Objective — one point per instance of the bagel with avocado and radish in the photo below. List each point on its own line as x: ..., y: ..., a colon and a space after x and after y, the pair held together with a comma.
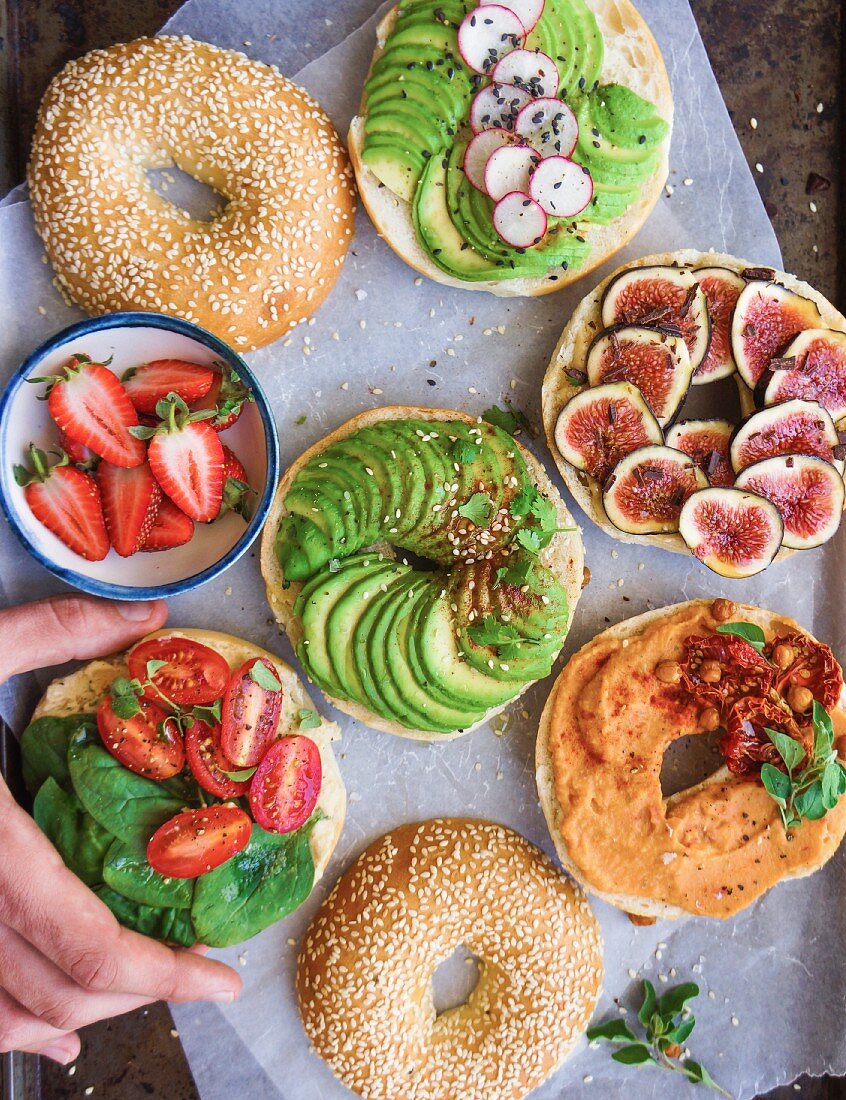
x: 189, y: 782
x: 427, y: 653
x: 736, y: 490
x: 511, y: 147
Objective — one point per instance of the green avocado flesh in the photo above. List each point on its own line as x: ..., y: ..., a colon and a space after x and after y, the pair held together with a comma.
x: 418, y: 98
x: 434, y: 649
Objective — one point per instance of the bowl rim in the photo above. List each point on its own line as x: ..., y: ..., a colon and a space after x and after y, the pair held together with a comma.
x: 138, y: 319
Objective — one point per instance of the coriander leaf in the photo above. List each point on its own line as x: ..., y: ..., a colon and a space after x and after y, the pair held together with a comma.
x: 301, y: 419
x: 464, y: 452
x: 491, y: 632
x: 648, y: 1006
x: 614, y: 1031
x: 500, y: 576
x: 477, y: 509
x: 790, y: 750
x: 153, y: 667
x: 810, y: 803
x: 309, y: 719
x: 521, y: 505
x: 260, y: 674
x: 635, y: 1055
x: 544, y: 512
x: 750, y: 632
x: 518, y: 574
x: 776, y: 783
x: 530, y: 540
x: 510, y: 420
x: 242, y: 775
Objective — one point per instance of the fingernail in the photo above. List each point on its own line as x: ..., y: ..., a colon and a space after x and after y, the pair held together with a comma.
x: 135, y: 610
x: 224, y: 997
x: 58, y: 1053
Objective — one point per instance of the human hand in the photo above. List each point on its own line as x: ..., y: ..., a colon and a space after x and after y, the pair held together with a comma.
x: 64, y: 959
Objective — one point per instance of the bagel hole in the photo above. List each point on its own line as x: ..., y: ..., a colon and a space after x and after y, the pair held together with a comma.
x: 455, y: 980
x: 416, y: 561
x: 200, y: 201
x: 689, y: 760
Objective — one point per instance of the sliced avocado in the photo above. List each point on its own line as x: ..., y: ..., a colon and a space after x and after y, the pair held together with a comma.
x: 353, y: 475
x: 397, y: 167
x: 367, y: 638
x: 449, y: 11
x: 570, y: 33
x: 406, y: 123
x: 424, y: 33
x: 331, y: 491
x: 400, y: 444
x: 301, y: 547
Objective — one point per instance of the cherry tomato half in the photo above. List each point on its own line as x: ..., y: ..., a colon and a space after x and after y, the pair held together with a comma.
x: 208, y: 764
x: 148, y: 744
x: 197, y: 841
x: 745, y: 744
x: 250, y: 714
x: 743, y: 670
x: 193, y: 675
x: 814, y: 667
x: 286, y: 785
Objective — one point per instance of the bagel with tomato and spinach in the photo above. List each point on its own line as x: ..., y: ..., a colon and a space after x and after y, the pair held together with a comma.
x: 190, y: 783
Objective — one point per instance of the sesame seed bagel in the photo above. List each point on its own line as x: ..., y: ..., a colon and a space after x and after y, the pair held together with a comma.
x: 562, y: 559
x: 413, y: 897
x: 250, y: 274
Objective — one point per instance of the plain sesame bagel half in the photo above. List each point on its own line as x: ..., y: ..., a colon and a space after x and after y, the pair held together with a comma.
x: 631, y: 59
x: 711, y: 848
x: 430, y: 650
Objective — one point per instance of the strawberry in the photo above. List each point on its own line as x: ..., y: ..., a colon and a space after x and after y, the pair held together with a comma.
x: 77, y: 453
x: 186, y: 458
x: 170, y: 528
x: 130, y: 503
x: 152, y: 382
x: 226, y: 396
x: 67, y: 501
x: 91, y: 407
x: 235, y: 486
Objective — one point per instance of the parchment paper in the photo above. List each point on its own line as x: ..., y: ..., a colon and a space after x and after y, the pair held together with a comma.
x: 773, y: 979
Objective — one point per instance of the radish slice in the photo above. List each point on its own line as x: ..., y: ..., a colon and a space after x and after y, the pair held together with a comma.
x: 479, y: 151
x: 560, y: 186
x: 488, y: 34
x: 519, y: 220
x: 533, y: 71
x: 549, y: 125
x: 527, y: 11
x: 497, y: 106
x: 509, y: 169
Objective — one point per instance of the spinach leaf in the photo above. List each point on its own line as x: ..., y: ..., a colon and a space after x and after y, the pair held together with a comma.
x: 261, y: 884
x: 173, y: 925
x: 44, y: 748
x: 77, y: 837
x: 128, y: 805
x: 129, y: 873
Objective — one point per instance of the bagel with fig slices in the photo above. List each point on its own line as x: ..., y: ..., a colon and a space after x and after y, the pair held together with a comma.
x: 101, y: 809
x: 695, y: 668
x: 423, y: 653
x: 424, y: 142
x: 614, y: 397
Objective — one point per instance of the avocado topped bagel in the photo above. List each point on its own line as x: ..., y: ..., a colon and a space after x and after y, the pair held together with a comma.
x: 426, y: 650
x: 511, y: 147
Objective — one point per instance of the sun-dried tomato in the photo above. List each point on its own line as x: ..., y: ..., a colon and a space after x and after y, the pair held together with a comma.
x: 744, y: 671
x: 745, y: 744
x: 814, y: 667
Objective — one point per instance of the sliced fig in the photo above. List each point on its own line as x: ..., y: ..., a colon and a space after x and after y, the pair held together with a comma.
x: 766, y: 318
x: 497, y: 106
x: 646, y: 490
x: 486, y: 35
x: 533, y: 71
x: 508, y: 169
x: 663, y: 297
x: 479, y: 151
x: 527, y: 11
x: 794, y: 427
x: 721, y: 287
x: 656, y: 363
x: 519, y: 220
x: 549, y: 125
x: 807, y: 491
x: 602, y: 424
x: 562, y: 187
x: 707, y: 443
x: 735, y: 533
x: 813, y: 367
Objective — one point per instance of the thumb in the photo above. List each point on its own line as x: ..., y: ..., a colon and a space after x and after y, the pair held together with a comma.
x: 66, y: 628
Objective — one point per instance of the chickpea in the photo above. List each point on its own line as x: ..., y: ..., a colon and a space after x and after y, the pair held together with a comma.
x: 668, y: 672
x: 709, y: 719
x: 799, y: 698
x: 723, y: 610
x: 710, y: 672
x: 784, y: 655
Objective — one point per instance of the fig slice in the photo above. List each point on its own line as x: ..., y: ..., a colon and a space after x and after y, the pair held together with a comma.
x: 527, y: 11
x: 707, y: 443
x: 813, y: 367
x: 721, y: 287
x: 508, y: 170
x: 602, y: 424
x: 658, y: 364
x: 646, y: 490
x: 736, y: 534
x: 794, y: 427
x: 562, y: 187
x: 807, y: 491
x: 497, y: 106
x: 479, y: 151
x: 519, y: 220
x: 532, y: 70
x: 766, y: 318
x: 549, y: 125
x: 487, y: 34
x: 663, y: 297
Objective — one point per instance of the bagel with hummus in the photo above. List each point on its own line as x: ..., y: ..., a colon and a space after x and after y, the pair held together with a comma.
x: 511, y: 150
x: 707, y: 666
x: 189, y: 782
x: 741, y: 486
x: 427, y: 653
x: 409, y: 900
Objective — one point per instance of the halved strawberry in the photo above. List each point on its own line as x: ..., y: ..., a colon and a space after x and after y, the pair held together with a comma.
x: 152, y: 382
x: 226, y: 396
x: 67, y: 501
x: 186, y: 458
x: 236, y: 488
x: 170, y: 528
x: 79, y: 454
x: 130, y: 502
x: 89, y: 404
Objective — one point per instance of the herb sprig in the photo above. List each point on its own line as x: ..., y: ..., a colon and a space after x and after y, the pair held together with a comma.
x: 749, y: 632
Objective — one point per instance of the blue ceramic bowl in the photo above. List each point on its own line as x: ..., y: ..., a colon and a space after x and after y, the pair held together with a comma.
x: 130, y: 339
